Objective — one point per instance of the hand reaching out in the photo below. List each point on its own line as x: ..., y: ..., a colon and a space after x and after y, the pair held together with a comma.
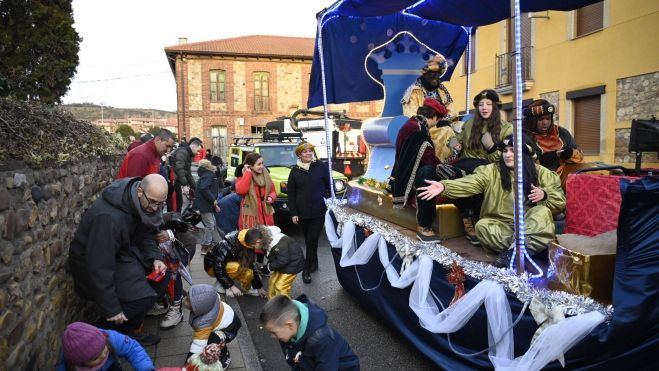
x: 431, y: 190
x: 235, y: 291
x: 118, y: 318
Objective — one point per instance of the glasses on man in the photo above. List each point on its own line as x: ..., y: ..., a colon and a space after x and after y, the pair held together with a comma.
x: 153, y: 203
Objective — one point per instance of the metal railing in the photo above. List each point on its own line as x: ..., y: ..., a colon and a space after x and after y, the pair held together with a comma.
x: 505, y: 67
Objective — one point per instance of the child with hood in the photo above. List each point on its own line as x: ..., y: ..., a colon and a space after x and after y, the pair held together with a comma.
x: 85, y: 347
x: 213, y: 321
x: 285, y: 261
x: 306, y: 339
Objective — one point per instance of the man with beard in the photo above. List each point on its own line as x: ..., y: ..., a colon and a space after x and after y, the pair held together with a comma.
x: 114, y: 250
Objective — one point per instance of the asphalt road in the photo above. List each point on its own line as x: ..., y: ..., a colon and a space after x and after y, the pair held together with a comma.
x: 378, y: 347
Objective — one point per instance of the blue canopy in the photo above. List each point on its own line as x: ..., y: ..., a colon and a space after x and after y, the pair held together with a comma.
x: 351, y: 28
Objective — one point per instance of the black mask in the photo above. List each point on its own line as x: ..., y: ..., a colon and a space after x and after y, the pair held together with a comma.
x: 430, y: 80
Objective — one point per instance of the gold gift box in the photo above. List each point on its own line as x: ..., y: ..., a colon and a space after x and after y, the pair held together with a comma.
x: 379, y: 203
x: 575, y: 270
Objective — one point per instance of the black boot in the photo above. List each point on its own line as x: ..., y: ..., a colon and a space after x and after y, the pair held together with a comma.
x: 314, y: 266
x: 306, y: 276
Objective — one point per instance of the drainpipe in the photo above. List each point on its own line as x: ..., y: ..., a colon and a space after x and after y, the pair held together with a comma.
x: 183, y: 127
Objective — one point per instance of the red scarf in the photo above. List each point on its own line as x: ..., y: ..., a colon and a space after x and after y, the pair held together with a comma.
x: 549, y: 142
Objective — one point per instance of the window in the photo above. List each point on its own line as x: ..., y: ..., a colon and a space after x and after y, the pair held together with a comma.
x: 590, y: 19
x: 505, y: 63
x: 587, y: 124
x: 257, y: 129
x: 472, y: 52
x: 261, y: 91
x: 218, y: 86
x: 219, y: 140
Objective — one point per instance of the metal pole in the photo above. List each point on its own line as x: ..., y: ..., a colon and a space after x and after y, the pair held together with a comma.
x: 520, y: 238
x: 467, y: 98
x: 328, y: 136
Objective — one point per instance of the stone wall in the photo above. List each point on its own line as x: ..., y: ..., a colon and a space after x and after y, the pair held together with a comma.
x: 39, y: 213
x: 637, y: 97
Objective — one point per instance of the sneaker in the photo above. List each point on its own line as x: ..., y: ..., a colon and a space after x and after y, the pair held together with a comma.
x: 426, y: 235
x: 143, y: 338
x: 225, y: 357
x: 205, y: 249
x: 470, y: 230
x: 157, y: 309
x: 503, y: 260
x: 475, y: 241
x: 252, y: 292
x: 306, y: 276
x: 219, y: 288
x: 173, y: 317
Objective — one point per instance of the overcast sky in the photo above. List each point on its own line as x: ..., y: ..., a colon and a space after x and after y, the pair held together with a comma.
x: 122, y: 58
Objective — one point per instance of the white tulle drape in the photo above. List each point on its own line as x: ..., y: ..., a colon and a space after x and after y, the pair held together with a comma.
x: 552, y: 343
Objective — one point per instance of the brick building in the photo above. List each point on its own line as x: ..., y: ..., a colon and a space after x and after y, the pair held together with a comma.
x: 233, y: 87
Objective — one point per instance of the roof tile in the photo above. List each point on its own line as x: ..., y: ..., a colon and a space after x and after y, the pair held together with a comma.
x: 253, y: 45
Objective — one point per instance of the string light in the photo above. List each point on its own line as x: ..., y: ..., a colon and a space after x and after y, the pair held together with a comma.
x: 520, y: 235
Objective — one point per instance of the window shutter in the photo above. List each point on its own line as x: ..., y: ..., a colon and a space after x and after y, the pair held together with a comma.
x: 590, y: 18
x: 587, y: 124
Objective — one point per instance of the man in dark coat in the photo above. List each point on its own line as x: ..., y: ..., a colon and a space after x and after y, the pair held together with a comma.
x: 181, y: 160
x: 306, y: 339
x: 115, y: 248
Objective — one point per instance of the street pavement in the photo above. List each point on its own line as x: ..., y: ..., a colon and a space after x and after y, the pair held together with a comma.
x: 378, y: 347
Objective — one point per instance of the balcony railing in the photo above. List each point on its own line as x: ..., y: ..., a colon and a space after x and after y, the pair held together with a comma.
x: 505, y: 68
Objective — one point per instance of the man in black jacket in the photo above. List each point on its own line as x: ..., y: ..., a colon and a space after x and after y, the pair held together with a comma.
x: 115, y: 248
x: 181, y: 160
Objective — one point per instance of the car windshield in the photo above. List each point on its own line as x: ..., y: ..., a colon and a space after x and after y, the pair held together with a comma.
x: 278, y: 155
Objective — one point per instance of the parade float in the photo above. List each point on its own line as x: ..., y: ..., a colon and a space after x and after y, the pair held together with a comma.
x: 446, y: 298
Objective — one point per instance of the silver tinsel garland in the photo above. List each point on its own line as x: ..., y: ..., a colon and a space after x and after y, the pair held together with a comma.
x: 520, y: 286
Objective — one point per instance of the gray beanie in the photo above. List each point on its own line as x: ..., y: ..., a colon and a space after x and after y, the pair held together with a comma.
x: 205, y: 304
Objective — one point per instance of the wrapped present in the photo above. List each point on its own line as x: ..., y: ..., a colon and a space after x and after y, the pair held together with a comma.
x: 583, y: 265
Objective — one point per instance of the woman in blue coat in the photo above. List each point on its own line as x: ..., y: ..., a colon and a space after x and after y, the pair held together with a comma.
x: 205, y: 201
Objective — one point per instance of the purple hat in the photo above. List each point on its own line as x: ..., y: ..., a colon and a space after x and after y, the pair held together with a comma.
x: 82, y: 343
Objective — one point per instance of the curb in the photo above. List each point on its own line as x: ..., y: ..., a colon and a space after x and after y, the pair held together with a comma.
x: 245, y: 342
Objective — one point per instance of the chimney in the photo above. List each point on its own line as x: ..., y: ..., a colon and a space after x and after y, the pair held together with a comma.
x: 182, y: 40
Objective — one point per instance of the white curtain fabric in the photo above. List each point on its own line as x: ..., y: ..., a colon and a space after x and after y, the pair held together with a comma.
x: 550, y: 345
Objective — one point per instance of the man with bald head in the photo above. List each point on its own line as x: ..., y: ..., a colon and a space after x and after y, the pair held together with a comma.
x: 115, y: 248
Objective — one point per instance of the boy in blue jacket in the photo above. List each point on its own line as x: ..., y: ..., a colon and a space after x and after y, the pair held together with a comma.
x: 306, y: 339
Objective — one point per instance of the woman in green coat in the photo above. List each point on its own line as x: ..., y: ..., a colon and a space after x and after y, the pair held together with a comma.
x: 478, y: 143
x: 544, y: 198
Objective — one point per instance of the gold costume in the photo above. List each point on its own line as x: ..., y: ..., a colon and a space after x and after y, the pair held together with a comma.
x: 495, y: 227
x: 465, y: 134
x: 244, y: 275
x: 280, y: 283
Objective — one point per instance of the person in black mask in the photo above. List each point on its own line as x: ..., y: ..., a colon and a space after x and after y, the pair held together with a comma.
x: 428, y: 85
